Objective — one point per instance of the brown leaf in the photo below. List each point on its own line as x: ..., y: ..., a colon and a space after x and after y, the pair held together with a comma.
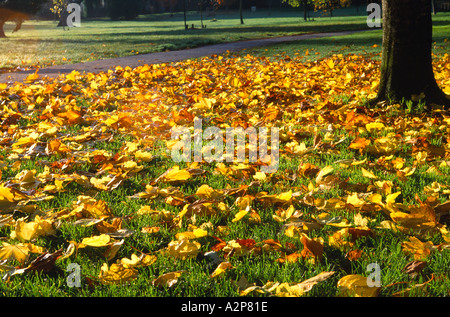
x: 45, y: 262
x: 414, y: 267
x: 353, y: 255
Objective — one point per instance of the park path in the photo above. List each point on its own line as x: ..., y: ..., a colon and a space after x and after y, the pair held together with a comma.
x: 104, y: 65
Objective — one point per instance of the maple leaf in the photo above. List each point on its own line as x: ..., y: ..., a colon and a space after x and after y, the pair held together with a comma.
x: 27, y: 231
x: 17, y: 252
x: 420, y: 250
x: 117, y: 273
x: 183, y: 249
x: 312, y: 247
x: 356, y: 285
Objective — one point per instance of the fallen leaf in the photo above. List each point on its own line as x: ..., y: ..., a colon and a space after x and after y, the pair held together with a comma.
x: 356, y: 285
x: 167, y: 279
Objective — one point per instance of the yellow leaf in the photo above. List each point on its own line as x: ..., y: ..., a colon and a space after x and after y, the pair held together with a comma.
x: 97, y: 241
x: 144, y: 156
x: 6, y: 194
x: 167, y: 280
x: 100, y: 183
x: 32, y: 77
x: 390, y: 199
x: 354, y: 200
x: 207, y: 192
x: 368, y: 174
x: 374, y: 126
x: 183, y: 249
x: 17, y: 252
x: 260, y: 176
x: 196, y: 233
x: 175, y: 175
x: 323, y: 172
x: 285, y: 214
x: 138, y: 261
x: 356, y: 285
x: 30, y: 230
x: 301, y: 288
x: 240, y: 215
x: 330, y: 63
x: 420, y: 250
x: 116, y: 274
x: 221, y: 268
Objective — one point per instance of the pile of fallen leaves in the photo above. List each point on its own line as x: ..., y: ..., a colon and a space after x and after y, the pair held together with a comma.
x: 146, y: 103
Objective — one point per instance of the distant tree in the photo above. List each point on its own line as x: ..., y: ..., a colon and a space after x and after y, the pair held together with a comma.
x: 60, y: 9
x: 121, y: 9
x: 17, y: 11
x: 298, y: 3
x: 240, y: 12
x: 185, y: 14
x: 324, y: 5
x: 330, y: 5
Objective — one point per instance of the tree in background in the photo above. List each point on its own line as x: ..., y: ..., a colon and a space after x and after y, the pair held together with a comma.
x: 240, y: 12
x: 17, y: 11
x: 297, y: 3
x: 121, y: 9
x: 330, y: 5
x: 324, y: 5
x: 60, y: 9
x: 406, y: 69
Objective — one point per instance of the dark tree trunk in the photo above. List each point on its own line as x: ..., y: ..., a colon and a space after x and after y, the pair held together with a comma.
x: 406, y: 68
x: 305, y: 10
x: 184, y: 13
x: 2, y: 32
x: 240, y: 12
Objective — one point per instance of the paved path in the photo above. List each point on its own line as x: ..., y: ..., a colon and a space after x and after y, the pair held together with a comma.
x: 161, y: 57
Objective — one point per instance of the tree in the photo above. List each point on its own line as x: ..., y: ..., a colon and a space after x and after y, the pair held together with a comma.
x: 406, y: 68
x: 324, y: 5
x: 297, y: 3
x: 17, y: 11
x: 121, y: 9
x: 60, y: 9
x: 241, y: 15
x: 330, y: 5
x: 184, y: 13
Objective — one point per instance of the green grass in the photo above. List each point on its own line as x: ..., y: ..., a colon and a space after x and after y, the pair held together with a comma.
x: 383, y: 248
x: 365, y: 43
x: 41, y: 42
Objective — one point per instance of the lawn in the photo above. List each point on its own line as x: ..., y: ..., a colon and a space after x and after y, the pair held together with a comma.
x: 42, y: 43
x: 88, y: 178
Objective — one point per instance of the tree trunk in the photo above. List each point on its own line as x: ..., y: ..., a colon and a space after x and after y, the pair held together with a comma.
x: 184, y: 12
x: 2, y: 32
x: 305, y: 10
x: 406, y: 68
x: 240, y: 12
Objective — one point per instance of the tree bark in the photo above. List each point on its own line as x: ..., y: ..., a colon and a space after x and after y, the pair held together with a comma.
x: 184, y: 13
x: 305, y: 10
x: 406, y: 68
x: 240, y: 12
x: 2, y: 32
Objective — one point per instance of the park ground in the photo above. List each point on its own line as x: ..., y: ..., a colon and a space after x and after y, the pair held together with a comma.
x: 103, y: 38
x: 88, y: 176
